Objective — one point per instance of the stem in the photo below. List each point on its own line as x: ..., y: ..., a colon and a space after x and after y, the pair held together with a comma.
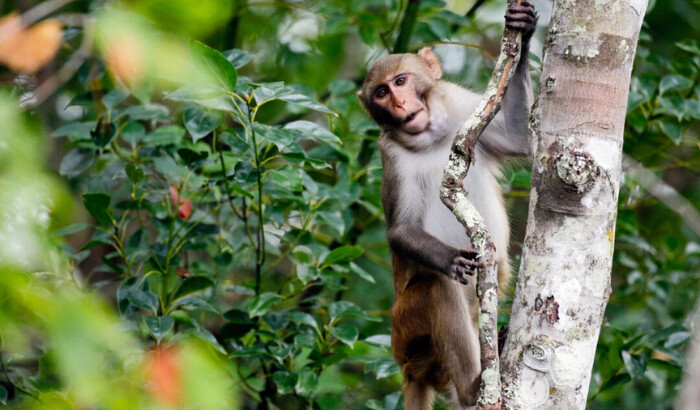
x: 260, y: 234
x: 474, y: 7
x: 406, y: 28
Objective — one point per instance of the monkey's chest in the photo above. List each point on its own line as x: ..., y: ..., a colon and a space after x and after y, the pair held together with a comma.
x: 436, y: 218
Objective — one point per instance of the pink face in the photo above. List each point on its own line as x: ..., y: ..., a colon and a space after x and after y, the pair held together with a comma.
x: 397, y: 95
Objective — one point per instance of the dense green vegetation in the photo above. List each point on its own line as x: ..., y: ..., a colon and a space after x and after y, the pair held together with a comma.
x: 190, y: 204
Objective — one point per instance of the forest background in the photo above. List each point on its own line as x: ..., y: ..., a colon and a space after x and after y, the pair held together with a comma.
x: 190, y: 201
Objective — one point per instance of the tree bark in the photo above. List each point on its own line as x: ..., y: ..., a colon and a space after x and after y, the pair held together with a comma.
x: 564, y: 280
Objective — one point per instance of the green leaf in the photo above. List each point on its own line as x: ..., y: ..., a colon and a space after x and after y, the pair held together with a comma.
x: 287, y: 177
x: 103, y: 134
x: 193, y: 284
x: 149, y: 112
x: 302, y: 318
x: 239, y: 324
x: 222, y: 72
x: 693, y: 108
x: 635, y: 364
x: 379, y: 340
x: 159, y: 326
x: 190, y: 156
x: 689, y: 45
x: 261, y: 303
x: 347, y: 334
x: 71, y: 229
x: 75, y: 130
x: 169, y: 134
x: 677, y: 339
x: 278, y: 136
x: 671, y: 130
x: 343, y: 308
x: 665, y: 333
x: 285, y: 381
x: 341, y: 86
x: 237, y: 57
x: 673, y: 105
x: 314, y: 131
x: 200, y: 122
x: 213, y: 99
x: 306, y: 273
x: 3, y: 395
x: 383, y: 367
x: 307, y: 102
x: 307, y: 381
x: 361, y: 272
x: 143, y: 299
x: 615, y: 381
x: 134, y: 173
x: 206, y: 336
x: 342, y: 254
x: 194, y: 303
x: 114, y: 97
x: 98, y: 206
x: 76, y: 162
x: 133, y: 132
x: 674, y: 82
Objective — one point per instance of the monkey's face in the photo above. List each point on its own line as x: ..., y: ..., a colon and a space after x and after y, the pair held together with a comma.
x: 402, y: 99
x: 396, y: 90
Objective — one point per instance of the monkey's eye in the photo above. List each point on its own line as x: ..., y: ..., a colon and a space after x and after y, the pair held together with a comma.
x: 381, y: 93
x: 400, y: 81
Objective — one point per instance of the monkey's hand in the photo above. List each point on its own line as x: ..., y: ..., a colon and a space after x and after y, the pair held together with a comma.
x: 463, y: 264
x: 522, y: 18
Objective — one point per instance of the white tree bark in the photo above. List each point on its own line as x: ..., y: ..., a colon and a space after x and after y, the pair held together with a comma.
x: 564, y: 280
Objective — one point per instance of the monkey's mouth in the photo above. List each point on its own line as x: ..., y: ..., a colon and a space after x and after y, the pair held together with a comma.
x: 411, y: 117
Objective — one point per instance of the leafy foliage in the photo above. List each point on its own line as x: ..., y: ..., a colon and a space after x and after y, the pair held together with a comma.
x: 234, y: 220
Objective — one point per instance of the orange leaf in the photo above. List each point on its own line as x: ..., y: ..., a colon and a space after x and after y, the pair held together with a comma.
x: 164, y: 376
x: 125, y: 58
x: 184, y: 206
x: 183, y: 273
x: 27, y: 49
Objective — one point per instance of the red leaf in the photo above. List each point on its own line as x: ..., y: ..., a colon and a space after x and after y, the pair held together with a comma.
x: 164, y: 376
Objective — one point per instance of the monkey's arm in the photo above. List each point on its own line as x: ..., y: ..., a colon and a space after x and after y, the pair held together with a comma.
x: 406, y: 236
x: 507, y: 135
x: 411, y: 242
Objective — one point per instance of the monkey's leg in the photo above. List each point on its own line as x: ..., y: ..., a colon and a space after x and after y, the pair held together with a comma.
x: 417, y: 396
x: 458, y: 346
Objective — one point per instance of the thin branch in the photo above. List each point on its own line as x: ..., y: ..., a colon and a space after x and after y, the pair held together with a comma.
x: 663, y: 192
x: 474, y: 8
x: 406, y: 29
x: 455, y: 198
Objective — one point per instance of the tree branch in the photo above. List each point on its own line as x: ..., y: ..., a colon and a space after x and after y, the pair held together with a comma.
x: 406, y: 27
x: 455, y: 198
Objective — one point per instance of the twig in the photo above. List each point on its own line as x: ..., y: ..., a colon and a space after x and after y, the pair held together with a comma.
x: 406, y: 29
x: 474, y: 7
x: 663, y: 192
x: 455, y: 198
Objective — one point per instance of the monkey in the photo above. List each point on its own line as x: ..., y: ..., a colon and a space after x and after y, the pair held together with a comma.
x: 434, y: 334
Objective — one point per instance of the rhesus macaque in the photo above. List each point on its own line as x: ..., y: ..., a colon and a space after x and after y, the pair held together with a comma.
x: 433, y: 339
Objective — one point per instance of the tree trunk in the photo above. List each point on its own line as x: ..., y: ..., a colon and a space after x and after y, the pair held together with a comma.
x: 564, y: 280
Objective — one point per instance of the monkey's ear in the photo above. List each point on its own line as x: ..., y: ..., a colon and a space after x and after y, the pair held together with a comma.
x: 360, y: 95
x: 431, y: 61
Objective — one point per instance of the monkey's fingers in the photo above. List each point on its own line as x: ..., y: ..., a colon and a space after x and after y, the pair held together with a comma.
x: 459, y: 274
x: 524, y: 7
x: 469, y: 253
x: 524, y: 18
x: 468, y: 264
